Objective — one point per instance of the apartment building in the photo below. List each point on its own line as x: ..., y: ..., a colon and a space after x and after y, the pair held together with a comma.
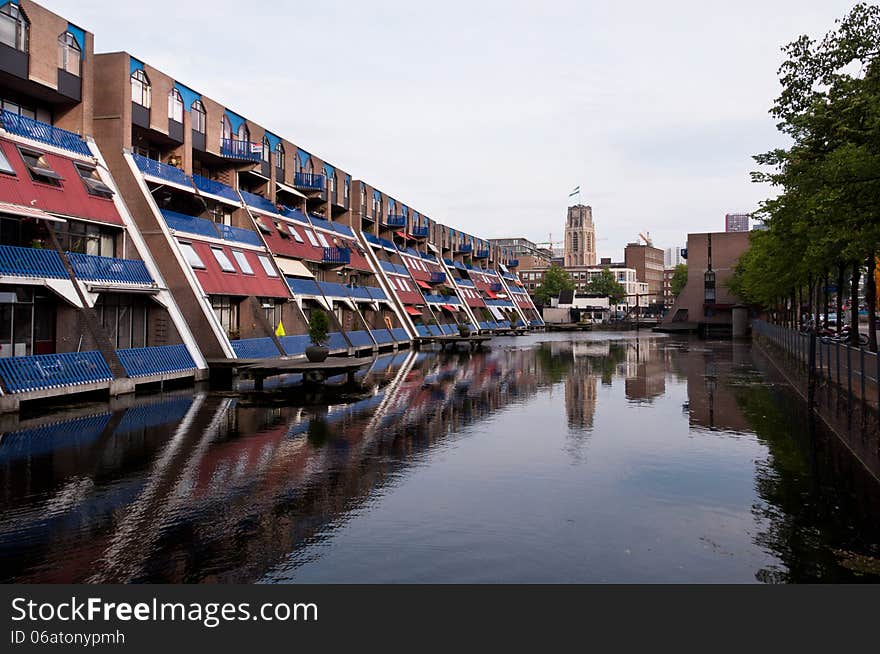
x: 146, y: 228
x: 647, y: 261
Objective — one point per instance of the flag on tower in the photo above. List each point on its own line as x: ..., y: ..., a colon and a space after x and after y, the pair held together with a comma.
x: 576, y: 191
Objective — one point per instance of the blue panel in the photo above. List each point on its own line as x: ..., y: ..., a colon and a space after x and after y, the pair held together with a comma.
x: 360, y: 338
x: 303, y: 286
x: 235, y: 120
x: 273, y: 140
x: 333, y: 289
x: 329, y: 170
x: 214, y: 187
x: 189, y: 224
x: 143, y: 361
x: 435, y: 330
x: 382, y: 336
x: 109, y: 269
x: 303, y: 157
x: 161, y: 170
x: 336, y: 341
x: 343, y: 229
x: 40, y: 441
x: 377, y: 293
x: 295, y: 214
x: 45, y: 133
x: 421, y: 330
x: 377, y: 195
x: 255, y: 348
x: 296, y: 344
x: 135, y: 64
x: 31, y: 262
x: 400, y: 334
x: 23, y: 374
x: 153, y: 415
x: 80, y: 35
x: 189, y: 96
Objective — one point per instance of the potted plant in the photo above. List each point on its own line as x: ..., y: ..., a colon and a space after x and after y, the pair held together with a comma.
x: 319, y: 325
x: 464, y: 330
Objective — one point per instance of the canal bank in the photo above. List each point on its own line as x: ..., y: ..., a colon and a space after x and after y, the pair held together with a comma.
x: 553, y: 457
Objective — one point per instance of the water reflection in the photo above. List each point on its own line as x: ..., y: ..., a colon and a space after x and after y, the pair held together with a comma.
x: 427, y: 461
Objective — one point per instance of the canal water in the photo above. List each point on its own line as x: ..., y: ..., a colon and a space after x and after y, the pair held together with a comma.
x: 549, y: 458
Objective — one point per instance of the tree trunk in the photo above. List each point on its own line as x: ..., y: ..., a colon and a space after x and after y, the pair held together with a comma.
x: 854, y: 303
x: 871, y: 301
x: 827, y: 284
x: 810, y: 290
x: 841, y: 270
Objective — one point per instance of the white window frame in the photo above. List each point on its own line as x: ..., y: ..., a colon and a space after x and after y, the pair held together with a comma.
x: 5, y: 166
x: 243, y: 264
x: 323, y: 240
x: 223, y: 260
x: 311, y: 236
x: 268, y: 268
x: 294, y: 233
x: 192, y: 257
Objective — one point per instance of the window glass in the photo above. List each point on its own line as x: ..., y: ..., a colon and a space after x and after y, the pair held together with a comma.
x: 175, y: 106
x: 93, y: 182
x: 191, y: 256
x: 242, y: 262
x: 279, y: 156
x: 391, y: 281
x: 40, y: 168
x: 141, y: 93
x: 223, y: 260
x: 13, y: 27
x: 5, y: 166
x: 69, y: 55
x: 267, y: 265
x: 198, y: 117
x: 295, y: 234
x: 323, y: 240
x: 311, y: 237
x: 267, y: 148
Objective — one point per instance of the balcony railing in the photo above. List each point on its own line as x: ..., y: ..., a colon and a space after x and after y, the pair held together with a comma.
x: 91, y: 268
x: 243, y: 150
x: 161, y: 170
x: 310, y: 181
x: 31, y: 262
x: 495, y: 287
x: 465, y: 247
x: 481, y: 254
x: 203, y: 227
x: 215, y: 188
x: 255, y: 348
x: 143, y: 361
x: 44, y: 133
x: 258, y: 202
x: 42, y: 371
x: 339, y: 256
x: 438, y: 277
x: 395, y: 220
x: 420, y: 231
x: 513, y: 263
x: 238, y: 234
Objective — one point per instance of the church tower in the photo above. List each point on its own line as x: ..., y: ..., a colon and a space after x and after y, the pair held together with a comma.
x: 580, y: 237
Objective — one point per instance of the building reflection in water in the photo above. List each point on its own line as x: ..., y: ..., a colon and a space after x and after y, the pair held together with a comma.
x: 184, y: 488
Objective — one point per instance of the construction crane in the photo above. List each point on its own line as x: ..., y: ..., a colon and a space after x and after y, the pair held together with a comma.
x: 646, y: 237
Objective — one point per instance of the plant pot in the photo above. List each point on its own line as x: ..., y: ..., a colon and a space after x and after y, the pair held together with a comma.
x: 464, y: 332
x: 317, y: 353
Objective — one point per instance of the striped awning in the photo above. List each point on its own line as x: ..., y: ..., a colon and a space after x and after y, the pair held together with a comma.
x: 28, y: 212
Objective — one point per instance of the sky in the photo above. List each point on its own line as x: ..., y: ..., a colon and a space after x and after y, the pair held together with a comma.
x: 486, y: 115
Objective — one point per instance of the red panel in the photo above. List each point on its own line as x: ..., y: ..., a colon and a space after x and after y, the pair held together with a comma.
x: 289, y: 246
x: 216, y: 282
x: 475, y: 302
x: 410, y: 297
x: 71, y: 198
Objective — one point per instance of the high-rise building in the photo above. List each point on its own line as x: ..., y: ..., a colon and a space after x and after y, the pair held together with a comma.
x: 672, y: 257
x: 647, y: 261
x: 580, y: 237
x: 524, y: 252
x: 736, y: 222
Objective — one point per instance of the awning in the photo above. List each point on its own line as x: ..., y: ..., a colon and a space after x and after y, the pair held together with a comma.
x: 289, y: 189
x: 28, y: 212
x: 412, y: 311
x: 491, y: 295
x: 294, y: 268
x: 253, y: 172
x: 423, y: 285
x: 449, y: 308
x: 402, y: 235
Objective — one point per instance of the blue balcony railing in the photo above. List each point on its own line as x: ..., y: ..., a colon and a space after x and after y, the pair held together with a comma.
x: 513, y: 263
x: 258, y: 202
x: 438, y: 277
x: 215, y: 188
x: 44, y: 133
x: 465, y: 247
x: 310, y: 181
x: 377, y: 293
x: 395, y: 220
x: 301, y: 286
x: 420, y: 231
x: 161, y: 170
x: 91, y: 268
x: 201, y: 226
x: 333, y: 289
x: 143, y: 361
x: 238, y: 234
x: 31, y: 262
x: 495, y: 287
x: 340, y: 256
x: 255, y: 348
x: 359, y: 292
x: 243, y: 150
x: 481, y: 254
x: 24, y: 374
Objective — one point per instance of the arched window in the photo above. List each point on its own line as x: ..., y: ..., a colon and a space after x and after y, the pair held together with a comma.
x: 141, y: 93
x: 69, y: 54
x: 175, y: 106
x: 346, y: 189
x: 279, y: 157
x: 267, y: 149
x: 199, y: 118
x: 310, y: 168
x: 332, y: 183
x: 244, y: 134
x: 225, y: 128
x: 14, y: 27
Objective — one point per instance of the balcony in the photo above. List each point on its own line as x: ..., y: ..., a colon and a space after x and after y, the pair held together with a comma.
x: 202, y: 227
x: 420, y: 231
x: 309, y: 181
x: 464, y: 247
x: 238, y: 234
x: 144, y: 361
x: 496, y: 287
x: 214, y: 187
x: 31, y: 262
x: 43, y: 371
x: 337, y: 256
x: 161, y: 170
x: 438, y: 277
x: 513, y: 263
x: 44, y: 133
x: 258, y: 202
x: 241, y: 150
x: 88, y: 267
x: 481, y: 254
x: 395, y: 220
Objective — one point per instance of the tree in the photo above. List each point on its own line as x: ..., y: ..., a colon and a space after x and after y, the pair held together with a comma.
x: 555, y: 281
x: 679, y: 279
x: 606, y: 285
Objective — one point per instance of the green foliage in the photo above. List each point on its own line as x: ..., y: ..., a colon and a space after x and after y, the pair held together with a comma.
x: 606, y: 285
x: 555, y: 281
x: 319, y: 326
x: 679, y: 279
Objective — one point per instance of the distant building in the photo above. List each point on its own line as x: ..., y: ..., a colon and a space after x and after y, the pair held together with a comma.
x: 736, y: 222
x: 580, y: 237
x: 647, y: 261
x: 668, y: 297
x: 672, y: 257
x: 525, y: 252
